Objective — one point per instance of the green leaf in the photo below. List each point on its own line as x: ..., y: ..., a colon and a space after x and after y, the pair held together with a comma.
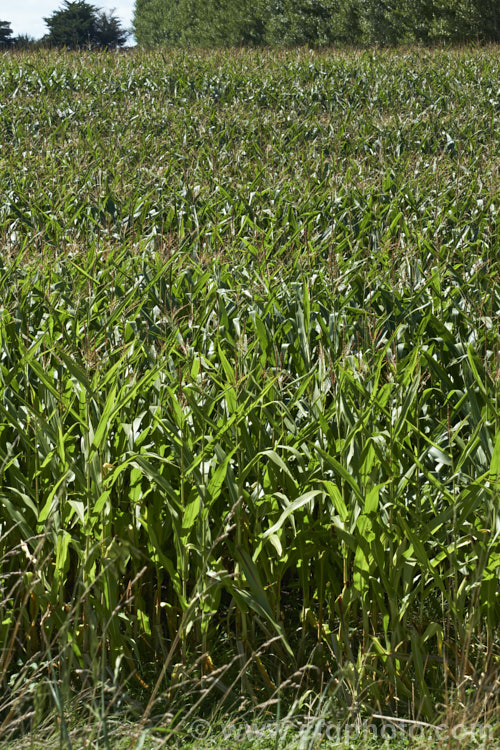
x: 295, y: 505
x: 337, y: 499
x: 258, y: 601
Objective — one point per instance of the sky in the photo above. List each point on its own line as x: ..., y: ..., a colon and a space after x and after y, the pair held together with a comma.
x: 26, y: 16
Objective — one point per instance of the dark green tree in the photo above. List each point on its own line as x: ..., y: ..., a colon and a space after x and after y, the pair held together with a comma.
x: 73, y: 25
x: 110, y: 33
x: 5, y: 34
x: 489, y: 20
x: 78, y: 24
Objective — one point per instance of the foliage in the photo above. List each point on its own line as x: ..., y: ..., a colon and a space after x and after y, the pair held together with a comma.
x: 27, y: 42
x: 109, y: 31
x: 77, y: 24
x: 186, y: 22
x: 249, y: 380
x: 5, y: 34
x: 314, y: 22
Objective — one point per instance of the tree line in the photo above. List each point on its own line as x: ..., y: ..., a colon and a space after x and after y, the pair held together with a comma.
x: 75, y: 25
x: 78, y: 24
x: 314, y: 22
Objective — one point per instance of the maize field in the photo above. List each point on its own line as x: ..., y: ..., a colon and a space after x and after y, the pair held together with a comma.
x: 249, y: 381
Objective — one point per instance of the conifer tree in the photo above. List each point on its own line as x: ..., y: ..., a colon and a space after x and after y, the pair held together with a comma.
x: 5, y: 34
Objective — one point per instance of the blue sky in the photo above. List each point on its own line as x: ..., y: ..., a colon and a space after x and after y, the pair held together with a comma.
x: 26, y: 16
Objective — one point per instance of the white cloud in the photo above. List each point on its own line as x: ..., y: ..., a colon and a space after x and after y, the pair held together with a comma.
x: 26, y: 16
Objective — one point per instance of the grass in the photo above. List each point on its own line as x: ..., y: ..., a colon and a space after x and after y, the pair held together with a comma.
x: 249, y: 389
